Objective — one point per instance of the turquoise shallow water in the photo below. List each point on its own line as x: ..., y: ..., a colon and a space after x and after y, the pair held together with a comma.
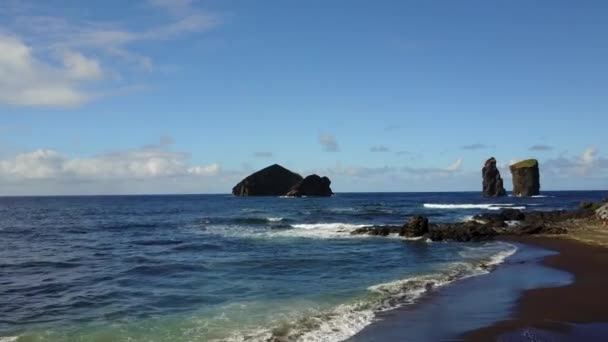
x: 215, y: 267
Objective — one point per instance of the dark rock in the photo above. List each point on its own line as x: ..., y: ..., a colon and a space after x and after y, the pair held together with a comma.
x: 463, y: 232
x: 499, y: 219
x: 537, y: 228
x: 526, y: 178
x: 312, y: 185
x: 492, y: 182
x: 377, y: 230
x: 417, y: 226
x: 274, y: 180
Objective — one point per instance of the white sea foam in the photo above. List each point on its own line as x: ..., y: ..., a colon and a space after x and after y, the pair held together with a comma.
x: 542, y: 196
x: 8, y: 338
x: 319, y: 230
x: 501, y: 256
x: 490, y: 206
x: 346, y: 320
x: 274, y: 219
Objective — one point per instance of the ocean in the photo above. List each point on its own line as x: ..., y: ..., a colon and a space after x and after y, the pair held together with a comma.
x: 223, y: 268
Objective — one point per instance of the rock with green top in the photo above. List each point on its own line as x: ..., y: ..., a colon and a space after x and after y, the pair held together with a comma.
x: 526, y: 178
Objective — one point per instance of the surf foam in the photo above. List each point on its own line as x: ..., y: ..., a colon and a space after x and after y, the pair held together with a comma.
x: 491, y: 206
x: 346, y: 320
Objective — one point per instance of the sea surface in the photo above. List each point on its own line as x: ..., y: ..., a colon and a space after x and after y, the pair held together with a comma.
x: 222, y: 268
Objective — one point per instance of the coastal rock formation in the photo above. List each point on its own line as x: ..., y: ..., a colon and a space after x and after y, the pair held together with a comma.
x: 509, y: 222
x: 274, y: 180
x: 492, y: 182
x: 417, y: 226
x: 526, y: 178
x: 602, y: 213
x: 462, y: 232
x: 312, y: 185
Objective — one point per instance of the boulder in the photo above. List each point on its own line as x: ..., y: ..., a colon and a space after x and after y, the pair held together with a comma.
x: 417, y: 226
x: 526, y: 178
x: 492, y: 182
x: 602, y: 213
x: 312, y: 185
x: 274, y: 180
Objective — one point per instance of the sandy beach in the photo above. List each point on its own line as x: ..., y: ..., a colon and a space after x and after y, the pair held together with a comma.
x: 563, y: 311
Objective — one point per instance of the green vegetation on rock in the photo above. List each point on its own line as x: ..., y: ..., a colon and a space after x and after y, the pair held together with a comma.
x: 525, y: 163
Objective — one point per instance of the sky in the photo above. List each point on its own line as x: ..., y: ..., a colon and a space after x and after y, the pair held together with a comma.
x: 187, y: 96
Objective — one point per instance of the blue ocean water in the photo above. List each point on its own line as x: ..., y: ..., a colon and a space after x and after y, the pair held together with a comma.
x: 217, y: 267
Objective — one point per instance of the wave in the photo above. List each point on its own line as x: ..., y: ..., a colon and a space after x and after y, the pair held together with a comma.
x: 346, y: 320
x: 542, y: 196
x: 320, y: 230
x: 491, y: 206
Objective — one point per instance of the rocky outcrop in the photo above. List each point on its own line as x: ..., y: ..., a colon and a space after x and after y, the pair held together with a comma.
x: 602, y: 213
x: 312, y: 185
x: 462, y: 232
x: 417, y: 226
x: 487, y: 226
x: 492, y: 182
x: 274, y: 180
x: 526, y: 178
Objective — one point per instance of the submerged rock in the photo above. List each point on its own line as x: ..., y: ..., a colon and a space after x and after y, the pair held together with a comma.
x: 526, y: 178
x: 274, y: 180
x: 492, y: 182
x: 312, y: 185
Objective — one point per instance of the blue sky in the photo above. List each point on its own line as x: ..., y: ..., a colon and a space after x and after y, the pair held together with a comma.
x: 186, y: 96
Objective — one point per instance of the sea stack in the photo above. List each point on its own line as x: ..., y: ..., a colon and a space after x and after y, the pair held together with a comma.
x: 526, y: 178
x: 492, y: 182
x: 274, y: 180
x: 312, y: 185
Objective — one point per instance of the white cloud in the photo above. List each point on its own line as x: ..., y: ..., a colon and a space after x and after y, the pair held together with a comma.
x: 328, y: 142
x: 455, y: 166
x: 209, y: 170
x: 51, y: 61
x: 78, y: 67
x: 148, y: 162
x: 28, y: 81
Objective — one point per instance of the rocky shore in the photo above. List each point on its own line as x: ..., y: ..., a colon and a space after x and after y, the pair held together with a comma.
x: 508, y: 222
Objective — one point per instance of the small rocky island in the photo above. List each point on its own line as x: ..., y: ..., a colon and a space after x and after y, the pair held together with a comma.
x: 526, y: 178
x: 492, y: 182
x: 275, y: 180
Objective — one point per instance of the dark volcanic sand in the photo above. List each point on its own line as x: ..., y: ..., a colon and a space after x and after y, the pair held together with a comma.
x: 468, y: 304
x: 578, y: 311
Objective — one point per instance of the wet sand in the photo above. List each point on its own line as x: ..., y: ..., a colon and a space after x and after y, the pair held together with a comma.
x: 552, y: 289
x: 578, y: 311
x: 446, y: 313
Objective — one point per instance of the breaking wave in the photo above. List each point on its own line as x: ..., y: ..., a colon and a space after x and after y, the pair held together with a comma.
x: 499, y: 206
x: 346, y: 320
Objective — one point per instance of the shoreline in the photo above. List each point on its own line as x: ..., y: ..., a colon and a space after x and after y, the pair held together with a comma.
x: 558, y: 312
x: 467, y: 304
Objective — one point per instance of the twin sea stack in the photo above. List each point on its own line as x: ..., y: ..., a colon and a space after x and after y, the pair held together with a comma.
x: 276, y: 180
x: 526, y: 179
